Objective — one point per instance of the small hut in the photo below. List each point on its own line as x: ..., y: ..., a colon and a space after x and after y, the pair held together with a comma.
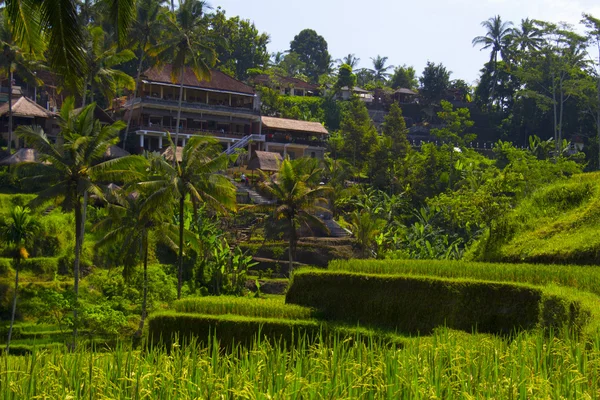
x: 265, y: 161
x: 24, y: 112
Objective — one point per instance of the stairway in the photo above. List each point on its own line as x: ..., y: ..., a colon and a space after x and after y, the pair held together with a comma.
x: 256, y: 197
x: 335, y: 230
x: 243, y: 142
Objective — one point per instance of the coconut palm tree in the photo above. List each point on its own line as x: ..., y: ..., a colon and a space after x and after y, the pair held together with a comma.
x: 73, y: 165
x: 132, y: 216
x: 100, y: 63
x: 497, y: 38
x: 379, y: 70
x: 298, y: 198
x: 350, y: 60
x: 145, y: 30
x: 187, y: 43
x: 528, y: 37
x: 56, y: 23
x: 194, y: 175
x: 18, y: 230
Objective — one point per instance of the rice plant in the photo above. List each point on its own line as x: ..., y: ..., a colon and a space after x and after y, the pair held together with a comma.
x: 579, y: 277
x: 447, y: 365
x: 263, y: 308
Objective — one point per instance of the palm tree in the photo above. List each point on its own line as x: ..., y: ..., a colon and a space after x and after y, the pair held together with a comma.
x: 14, y: 58
x: 132, y: 217
x: 497, y: 39
x: 17, y: 231
x: 186, y: 44
x: 100, y: 62
x: 196, y: 175
x: 298, y: 198
x: 146, y: 28
x: 365, y: 227
x: 73, y: 165
x: 380, y: 69
x: 56, y: 23
x: 350, y: 60
x: 528, y: 37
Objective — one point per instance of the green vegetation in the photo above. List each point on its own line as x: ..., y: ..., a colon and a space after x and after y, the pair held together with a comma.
x: 262, y: 308
x: 414, y: 304
x: 458, y: 365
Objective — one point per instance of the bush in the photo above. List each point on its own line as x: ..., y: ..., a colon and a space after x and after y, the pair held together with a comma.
x: 414, y: 304
x: 41, y: 265
x: 5, y: 264
x: 230, y: 330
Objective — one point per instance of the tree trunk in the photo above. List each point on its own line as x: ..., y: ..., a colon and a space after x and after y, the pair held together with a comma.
x: 137, y: 86
x: 145, y: 296
x: 79, y: 235
x: 180, y: 267
x: 291, y: 248
x: 178, y: 114
x: 560, y: 116
x: 14, y: 305
x: 555, y: 112
x: 10, y: 116
x: 598, y: 119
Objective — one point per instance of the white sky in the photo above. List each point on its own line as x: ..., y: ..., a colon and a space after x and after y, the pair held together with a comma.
x: 408, y: 32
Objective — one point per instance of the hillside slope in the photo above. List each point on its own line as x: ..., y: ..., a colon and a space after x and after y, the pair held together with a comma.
x: 559, y: 223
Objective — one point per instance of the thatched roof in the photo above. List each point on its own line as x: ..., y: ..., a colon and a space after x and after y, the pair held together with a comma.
x: 285, y: 124
x: 20, y: 156
x: 115, y: 152
x: 26, y: 108
x: 168, y: 153
x: 265, y: 161
x: 405, y: 91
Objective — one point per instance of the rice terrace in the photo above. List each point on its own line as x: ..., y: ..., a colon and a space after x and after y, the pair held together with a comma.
x: 199, y: 201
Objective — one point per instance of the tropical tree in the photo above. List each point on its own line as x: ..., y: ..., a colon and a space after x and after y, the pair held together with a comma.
x: 497, y: 38
x: 73, y: 165
x: 56, y: 23
x: 350, y: 60
x: 187, y: 43
x: 100, y: 63
x: 435, y: 81
x: 298, y: 198
x: 312, y: 51
x: 194, y: 175
x: 133, y: 216
x: 365, y: 228
x: 380, y: 70
x: 17, y: 231
x: 146, y: 28
x: 404, y: 77
x: 528, y: 36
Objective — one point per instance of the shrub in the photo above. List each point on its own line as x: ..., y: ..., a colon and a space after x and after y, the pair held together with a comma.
x: 41, y: 265
x: 264, y: 308
x: 5, y: 264
x: 413, y: 304
x: 230, y: 330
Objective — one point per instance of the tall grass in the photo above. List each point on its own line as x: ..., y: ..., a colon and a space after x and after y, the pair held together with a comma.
x: 447, y: 365
x: 579, y: 277
x: 263, y: 308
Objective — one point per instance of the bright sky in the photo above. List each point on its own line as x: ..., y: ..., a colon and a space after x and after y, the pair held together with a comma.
x: 408, y: 32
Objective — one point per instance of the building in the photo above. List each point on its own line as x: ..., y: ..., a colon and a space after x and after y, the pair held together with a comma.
x: 294, y: 138
x: 25, y: 112
x: 287, y: 85
x: 222, y: 107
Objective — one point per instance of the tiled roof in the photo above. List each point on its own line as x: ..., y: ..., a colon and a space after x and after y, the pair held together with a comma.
x: 405, y: 91
x: 21, y: 156
x: 293, y: 125
x: 218, y: 81
x: 25, y: 107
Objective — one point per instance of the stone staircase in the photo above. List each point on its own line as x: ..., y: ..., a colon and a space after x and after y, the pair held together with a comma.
x: 335, y: 230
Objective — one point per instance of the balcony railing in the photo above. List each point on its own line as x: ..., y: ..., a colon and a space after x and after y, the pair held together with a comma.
x: 188, y: 131
x: 308, y: 142
x: 195, y: 105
